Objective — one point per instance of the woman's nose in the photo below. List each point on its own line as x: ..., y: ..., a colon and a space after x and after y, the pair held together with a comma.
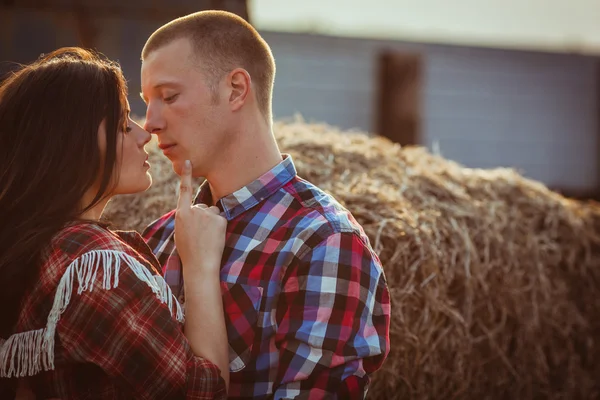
x: 146, y: 136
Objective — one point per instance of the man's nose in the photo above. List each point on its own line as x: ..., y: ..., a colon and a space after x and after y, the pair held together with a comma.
x: 154, y: 123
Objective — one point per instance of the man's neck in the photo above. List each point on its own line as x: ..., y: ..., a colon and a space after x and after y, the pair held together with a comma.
x: 247, y: 159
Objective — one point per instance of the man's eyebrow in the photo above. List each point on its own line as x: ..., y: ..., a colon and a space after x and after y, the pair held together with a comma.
x: 165, y: 83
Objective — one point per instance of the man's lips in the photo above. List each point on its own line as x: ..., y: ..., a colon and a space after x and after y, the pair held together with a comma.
x: 164, y: 146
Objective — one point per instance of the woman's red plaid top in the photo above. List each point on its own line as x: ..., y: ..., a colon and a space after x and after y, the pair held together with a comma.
x: 100, y: 322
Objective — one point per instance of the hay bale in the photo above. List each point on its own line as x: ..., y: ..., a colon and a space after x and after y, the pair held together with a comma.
x: 495, y: 279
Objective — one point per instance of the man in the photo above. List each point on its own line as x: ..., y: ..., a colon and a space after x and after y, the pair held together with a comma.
x: 305, y: 296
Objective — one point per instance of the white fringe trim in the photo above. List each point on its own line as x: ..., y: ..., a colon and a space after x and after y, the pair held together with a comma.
x: 27, y: 353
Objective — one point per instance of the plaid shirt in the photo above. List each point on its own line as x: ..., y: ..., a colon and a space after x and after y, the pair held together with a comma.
x: 306, y: 300
x: 117, y: 336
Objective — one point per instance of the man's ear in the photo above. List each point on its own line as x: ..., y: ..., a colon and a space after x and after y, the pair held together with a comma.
x: 239, y: 81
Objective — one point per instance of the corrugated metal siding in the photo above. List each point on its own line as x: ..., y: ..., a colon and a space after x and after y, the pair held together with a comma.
x: 484, y: 108
x: 536, y: 112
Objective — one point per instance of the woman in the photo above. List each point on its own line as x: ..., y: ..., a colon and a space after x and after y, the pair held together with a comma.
x: 85, y: 313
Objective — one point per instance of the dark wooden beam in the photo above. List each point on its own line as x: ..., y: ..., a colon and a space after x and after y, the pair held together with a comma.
x: 88, y: 11
x: 148, y: 10
x: 598, y: 126
x: 399, y: 102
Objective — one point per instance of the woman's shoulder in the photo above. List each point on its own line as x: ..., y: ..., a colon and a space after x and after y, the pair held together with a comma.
x: 72, y: 245
x: 78, y: 238
x: 83, y: 240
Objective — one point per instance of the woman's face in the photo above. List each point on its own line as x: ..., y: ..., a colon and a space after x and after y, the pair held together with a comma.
x: 132, y: 166
x: 132, y: 160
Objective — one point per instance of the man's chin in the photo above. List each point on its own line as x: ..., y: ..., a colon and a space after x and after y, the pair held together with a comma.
x: 177, y: 167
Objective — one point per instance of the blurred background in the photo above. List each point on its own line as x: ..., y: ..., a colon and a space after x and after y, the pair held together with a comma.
x: 496, y: 83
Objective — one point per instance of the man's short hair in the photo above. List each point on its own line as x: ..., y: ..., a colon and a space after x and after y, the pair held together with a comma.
x: 222, y: 41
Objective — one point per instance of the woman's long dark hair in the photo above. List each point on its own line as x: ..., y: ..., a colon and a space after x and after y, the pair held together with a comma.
x: 50, y: 112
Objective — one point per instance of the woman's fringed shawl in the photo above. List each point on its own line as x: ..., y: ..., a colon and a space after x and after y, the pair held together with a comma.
x: 28, y: 353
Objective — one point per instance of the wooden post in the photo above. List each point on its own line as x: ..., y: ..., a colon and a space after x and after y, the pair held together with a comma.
x: 86, y: 29
x: 239, y: 7
x: 596, y: 195
x: 399, y: 102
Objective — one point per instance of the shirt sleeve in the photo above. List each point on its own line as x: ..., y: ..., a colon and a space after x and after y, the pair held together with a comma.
x: 333, y: 321
x: 131, y: 334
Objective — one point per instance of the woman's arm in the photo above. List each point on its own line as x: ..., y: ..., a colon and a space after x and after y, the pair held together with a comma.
x: 200, y: 239
x: 204, y: 324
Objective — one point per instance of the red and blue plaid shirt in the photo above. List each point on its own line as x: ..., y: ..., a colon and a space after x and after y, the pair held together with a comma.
x: 306, y: 301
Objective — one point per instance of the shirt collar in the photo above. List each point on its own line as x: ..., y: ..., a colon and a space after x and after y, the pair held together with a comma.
x: 250, y: 195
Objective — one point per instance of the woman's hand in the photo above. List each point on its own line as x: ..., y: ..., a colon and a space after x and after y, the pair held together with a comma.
x: 199, y: 230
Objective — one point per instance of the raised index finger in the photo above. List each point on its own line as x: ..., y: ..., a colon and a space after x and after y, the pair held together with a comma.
x: 185, y: 186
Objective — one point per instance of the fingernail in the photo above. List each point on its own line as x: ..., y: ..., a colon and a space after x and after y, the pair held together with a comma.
x: 188, y: 164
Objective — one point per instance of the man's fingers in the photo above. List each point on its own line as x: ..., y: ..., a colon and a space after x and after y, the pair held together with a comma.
x: 185, y: 186
x: 215, y: 210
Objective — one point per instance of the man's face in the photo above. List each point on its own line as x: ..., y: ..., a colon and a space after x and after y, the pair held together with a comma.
x: 187, y: 118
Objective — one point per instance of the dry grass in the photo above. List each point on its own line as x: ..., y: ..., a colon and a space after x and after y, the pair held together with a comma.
x: 495, y: 280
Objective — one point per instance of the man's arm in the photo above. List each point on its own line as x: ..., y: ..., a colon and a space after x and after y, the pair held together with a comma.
x: 333, y: 320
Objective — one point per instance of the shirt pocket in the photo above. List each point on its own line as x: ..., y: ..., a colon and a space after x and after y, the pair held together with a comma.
x: 242, y: 305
